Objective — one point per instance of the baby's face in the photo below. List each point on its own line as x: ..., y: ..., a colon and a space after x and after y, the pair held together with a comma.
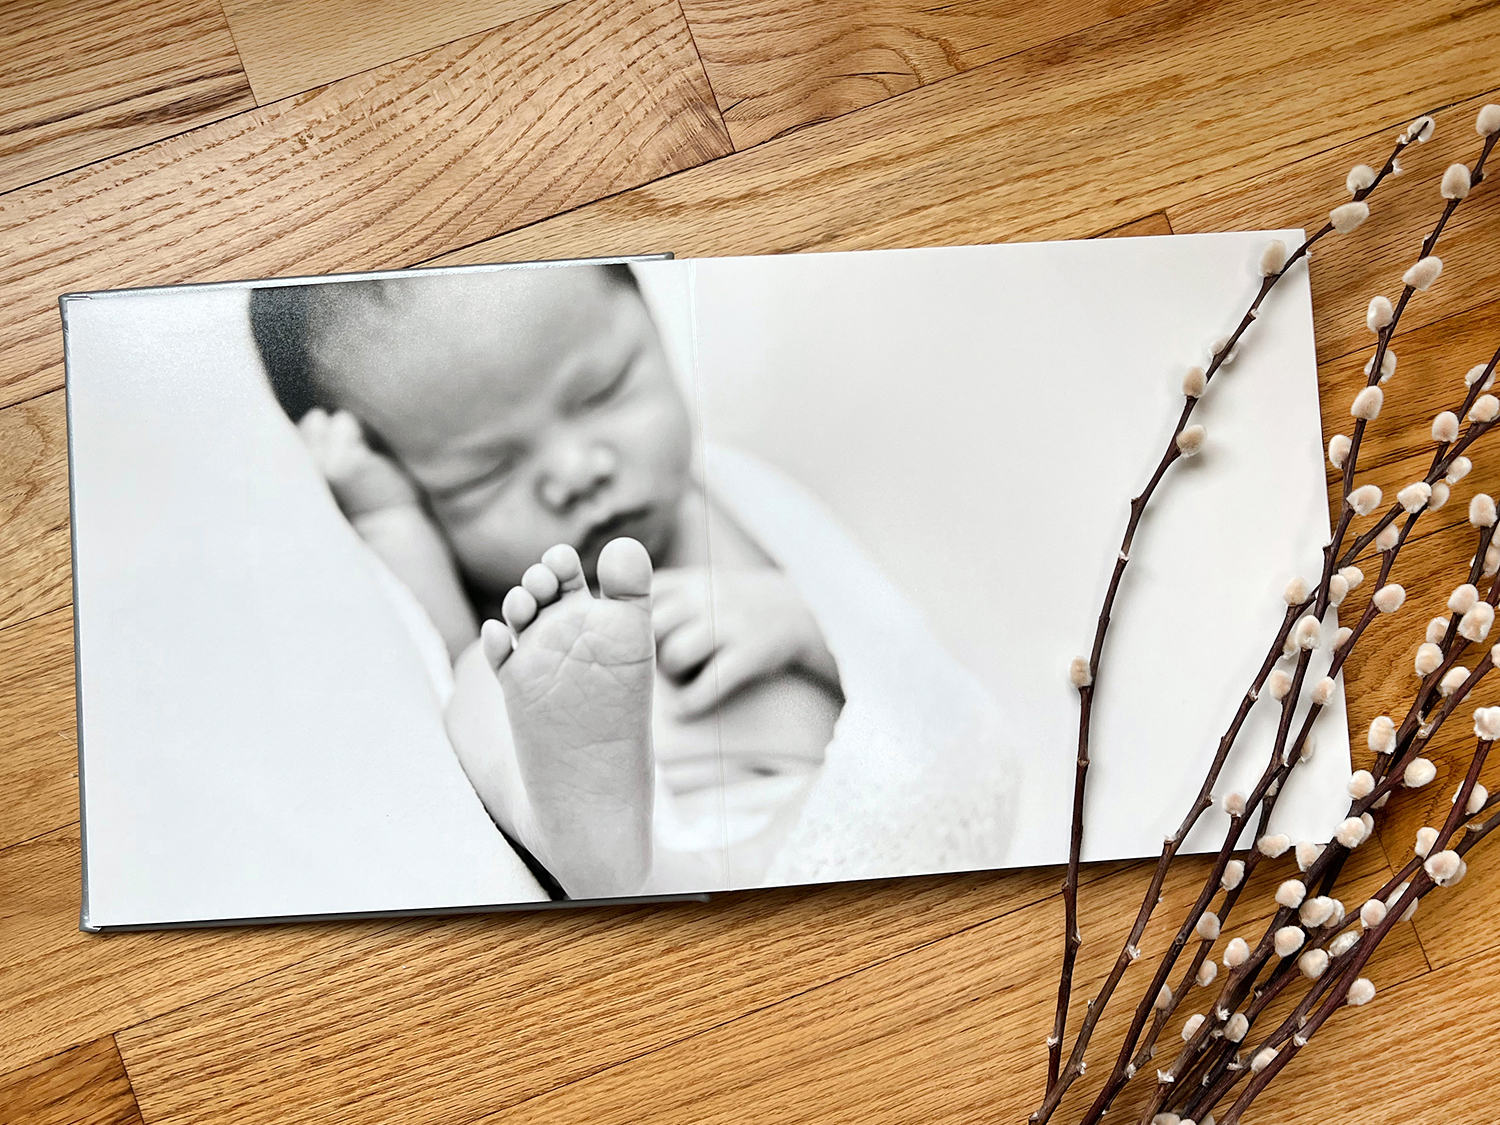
x: 533, y: 407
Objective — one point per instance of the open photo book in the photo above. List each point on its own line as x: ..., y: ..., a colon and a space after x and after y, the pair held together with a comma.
x: 497, y: 586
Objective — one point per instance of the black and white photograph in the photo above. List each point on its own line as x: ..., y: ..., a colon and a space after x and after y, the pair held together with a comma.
x: 449, y: 589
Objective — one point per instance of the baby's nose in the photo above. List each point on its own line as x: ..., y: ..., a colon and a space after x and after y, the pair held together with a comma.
x: 575, y: 473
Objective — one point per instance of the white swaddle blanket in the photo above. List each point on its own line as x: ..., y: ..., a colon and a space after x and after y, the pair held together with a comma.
x: 918, y: 777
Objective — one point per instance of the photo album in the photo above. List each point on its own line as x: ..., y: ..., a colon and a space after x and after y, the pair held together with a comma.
x: 475, y: 588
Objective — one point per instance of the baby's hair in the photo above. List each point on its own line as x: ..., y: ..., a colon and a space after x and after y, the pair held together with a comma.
x: 286, y: 319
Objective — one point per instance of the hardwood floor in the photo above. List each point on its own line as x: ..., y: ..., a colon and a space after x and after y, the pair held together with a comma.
x: 156, y: 141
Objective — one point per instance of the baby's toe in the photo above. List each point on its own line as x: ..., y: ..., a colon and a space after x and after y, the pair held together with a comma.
x: 519, y: 608
x: 564, y: 562
x: 541, y: 583
x: 495, y: 640
x: 624, y: 570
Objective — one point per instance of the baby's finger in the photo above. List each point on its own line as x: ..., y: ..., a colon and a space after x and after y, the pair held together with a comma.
x: 685, y: 649
x: 724, y: 675
x: 671, y: 613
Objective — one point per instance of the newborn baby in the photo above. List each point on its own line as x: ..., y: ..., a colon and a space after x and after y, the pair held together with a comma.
x: 513, y: 446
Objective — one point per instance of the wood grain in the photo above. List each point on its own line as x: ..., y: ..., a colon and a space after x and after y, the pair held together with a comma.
x: 90, y: 79
x: 452, y: 1020
x: 60, y: 987
x: 84, y: 1086
x: 36, y: 552
x: 287, y: 46
x: 1402, y: 212
x: 405, y: 161
x: 38, y: 728
x: 778, y: 66
x: 1060, y: 141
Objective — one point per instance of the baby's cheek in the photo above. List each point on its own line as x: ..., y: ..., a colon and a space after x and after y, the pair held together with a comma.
x: 494, y: 547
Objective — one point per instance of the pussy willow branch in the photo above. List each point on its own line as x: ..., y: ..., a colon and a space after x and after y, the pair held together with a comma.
x: 1124, y: 1066
x: 1058, y: 1081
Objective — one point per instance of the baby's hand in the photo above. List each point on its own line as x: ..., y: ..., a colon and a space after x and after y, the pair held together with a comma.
x: 757, y: 626
x: 362, y: 480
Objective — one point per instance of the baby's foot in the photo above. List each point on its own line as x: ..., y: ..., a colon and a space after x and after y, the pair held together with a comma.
x: 577, y: 673
x: 362, y: 480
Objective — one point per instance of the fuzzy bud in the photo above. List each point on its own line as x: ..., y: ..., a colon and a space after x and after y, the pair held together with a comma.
x: 1367, y: 404
x: 1236, y: 953
x: 1347, y: 217
x: 1351, y: 833
x: 1418, y: 772
x: 1389, y: 536
x: 1372, y: 913
x: 1338, y: 590
x: 1190, y: 1028
x: 1485, y: 409
x: 1460, y: 468
x: 1307, y: 854
x: 1234, y: 870
x: 1420, y: 130
x: 1194, y: 382
x: 1234, y: 804
x: 1323, y: 691
x: 1487, y: 723
x: 1492, y: 560
x: 1379, y: 314
x: 1353, y: 575
x: 1361, y: 784
x: 1455, y: 182
x: 1462, y: 599
x: 1278, y: 683
x: 1313, y: 963
x: 1364, y: 499
x: 1488, y: 122
x: 1452, y: 680
x: 1237, y: 1028
x: 1078, y: 672
x: 1296, y: 592
x: 1308, y: 633
x: 1426, y: 837
x: 1382, y: 738
x: 1482, y: 510
x: 1414, y: 496
x: 1440, y: 494
x: 1361, y: 992
x: 1190, y: 441
x: 1477, y: 372
x: 1437, y: 629
x: 1389, y: 598
x: 1475, y: 625
x: 1208, y: 972
x: 1429, y: 658
x: 1338, y: 450
x: 1387, y: 365
x: 1163, y: 998
x: 1477, y: 797
x: 1263, y: 1058
x: 1443, y: 867
x: 1360, y: 177
x: 1423, y: 273
x: 1273, y: 257
x: 1350, y: 938
x: 1208, y: 926
x: 1291, y: 893
x: 1271, y: 846
x: 1288, y: 940
x: 1445, y: 426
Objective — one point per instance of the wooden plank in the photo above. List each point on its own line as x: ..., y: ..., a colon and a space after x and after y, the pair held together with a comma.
x: 949, y: 1032
x: 1018, y: 149
x: 776, y: 66
x: 405, y: 161
x: 84, y: 1086
x: 1402, y: 211
x: 90, y: 79
x: 452, y: 1022
x: 1140, y: 228
x: 38, y: 728
x: 287, y: 46
x: 60, y: 987
x: 35, y: 553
